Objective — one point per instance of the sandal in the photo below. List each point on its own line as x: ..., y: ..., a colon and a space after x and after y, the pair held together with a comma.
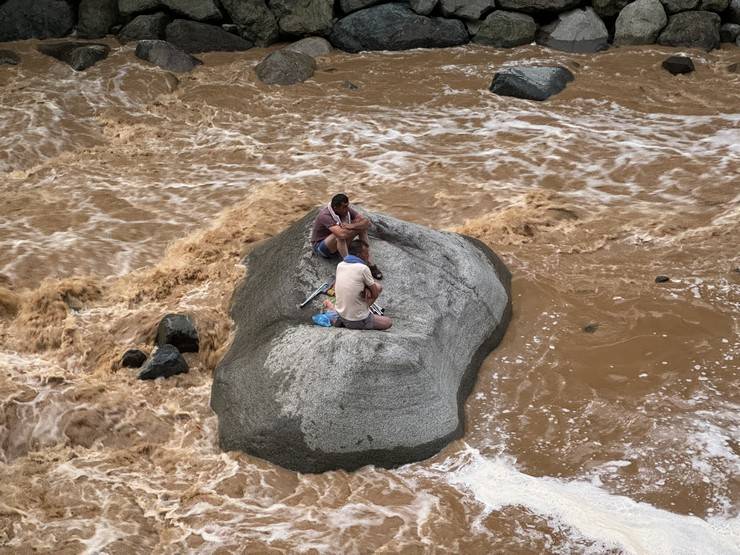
x: 377, y: 274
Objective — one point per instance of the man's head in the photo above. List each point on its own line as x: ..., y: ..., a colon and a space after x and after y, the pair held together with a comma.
x: 340, y: 204
x: 359, y: 249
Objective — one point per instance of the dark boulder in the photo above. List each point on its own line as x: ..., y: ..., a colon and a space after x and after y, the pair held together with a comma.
x: 285, y: 67
x: 193, y: 37
x: 304, y: 17
x: 676, y: 6
x: 609, y: 8
x: 254, y: 20
x: 466, y: 9
x: 145, y: 27
x: 132, y: 7
x: 96, y: 17
x: 506, y: 29
x: 78, y: 55
x: 423, y: 7
x: 178, y: 330
x: 25, y: 19
x: 8, y: 57
x: 530, y: 83
x: 734, y: 68
x: 662, y: 279
x: 349, y: 6
x: 166, y: 55
x: 167, y: 361
x: 314, y: 399
x: 539, y: 7
x: 311, y: 46
x: 732, y: 14
x: 640, y: 22
x: 678, y: 65
x: 579, y: 30
x: 692, y: 29
x: 198, y: 10
x: 395, y: 27
x: 133, y: 358
x: 729, y: 32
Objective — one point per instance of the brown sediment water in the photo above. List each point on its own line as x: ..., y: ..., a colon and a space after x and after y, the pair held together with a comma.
x: 607, y: 419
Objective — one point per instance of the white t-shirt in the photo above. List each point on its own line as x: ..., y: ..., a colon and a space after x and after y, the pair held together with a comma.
x: 350, y: 283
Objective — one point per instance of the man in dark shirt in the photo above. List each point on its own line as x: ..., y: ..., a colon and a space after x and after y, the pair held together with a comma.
x: 336, y: 225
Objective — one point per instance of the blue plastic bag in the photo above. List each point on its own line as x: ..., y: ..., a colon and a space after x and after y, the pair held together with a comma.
x: 325, y: 319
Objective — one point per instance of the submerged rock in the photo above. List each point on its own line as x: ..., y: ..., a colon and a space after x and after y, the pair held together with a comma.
x: 254, y: 20
x: 506, y: 30
x: 579, y: 30
x: 692, y: 29
x: 395, y: 27
x: 531, y: 83
x: 662, y: 279
x: 78, y: 55
x: 285, y: 67
x: 166, y: 55
x: 194, y: 37
x: 311, y: 46
x: 640, y: 22
x: 25, y: 19
x: 167, y: 361
x: 678, y: 64
x: 178, y: 330
x: 145, y: 27
x: 133, y: 358
x: 313, y: 399
x: 8, y: 57
x: 96, y: 17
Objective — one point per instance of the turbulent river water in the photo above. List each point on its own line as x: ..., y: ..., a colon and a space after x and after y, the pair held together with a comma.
x: 606, y: 421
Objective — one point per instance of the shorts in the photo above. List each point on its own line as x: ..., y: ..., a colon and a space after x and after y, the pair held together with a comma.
x: 365, y: 324
x: 322, y: 250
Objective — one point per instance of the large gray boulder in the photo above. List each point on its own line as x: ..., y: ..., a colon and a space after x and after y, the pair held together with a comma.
x: 729, y: 32
x: 395, y: 27
x: 349, y: 6
x: 530, y: 83
x: 311, y: 46
x: 504, y: 29
x: 253, y: 19
x: 608, y: 8
x: 304, y: 17
x: 466, y: 9
x: 131, y: 7
x: 692, y: 29
x: 166, y: 55
x: 199, y: 10
x: 676, y: 6
x: 540, y: 7
x: 285, y: 67
x: 313, y: 399
x: 96, y: 17
x: 193, y: 37
x: 718, y: 6
x: 24, y: 19
x: 640, y: 22
x: 78, y: 55
x: 423, y: 7
x: 145, y: 27
x: 579, y: 30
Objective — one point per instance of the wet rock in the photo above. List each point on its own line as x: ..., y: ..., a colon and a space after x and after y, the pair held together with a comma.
x: 395, y: 27
x: 538, y: 7
x: 350, y: 85
x: 166, y: 55
x: 303, y: 17
x: 285, y: 67
x: 132, y: 7
x: 96, y: 17
x: 167, y: 361
x: 311, y: 46
x: 531, y: 82
x: 717, y: 6
x: 466, y: 9
x: 8, y: 57
x: 579, y: 30
x: 609, y: 8
x: 315, y: 399
x: 178, y: 330
x: 692, y: 29
x: 506, y: 29
x: 676, y: 6
x: 194, y: 37
x: 732, y: 14
x: 145, y: 27
x: 23, y: 19
x: 591, y: 328
x: 734, y: 68
x: 678, y: 64
x: 199, y: 10
x: 133, y: 358
x: 729, y: 32
x: 78, y: 55
x: 662, y: 279
x: 349, y: 6
x: 640, y: 22
x: 423, y: 7
x: 254, y: 20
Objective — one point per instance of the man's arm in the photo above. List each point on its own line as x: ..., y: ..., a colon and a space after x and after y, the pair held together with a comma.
x: 342, y: 232
x: 360, y: 224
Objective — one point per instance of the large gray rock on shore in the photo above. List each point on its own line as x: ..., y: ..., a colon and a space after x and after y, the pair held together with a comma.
x: 466, y: 9
x: 506, y: 29
x: 313, y: 399
x: 166, y: 55
x: 542, y: 7
x: 78, y: 55
x: 530, y: 83
x: 349, y: 6
x: 24, y: 19
x: 640, y: 22
x: 303, y: 17
x: 579, y: 30
x: 193, y: 37
x: 692, y: 29
x: 145, y: 27
x: 395, y: 27
x: 96, y: 17
x: 676, y: 6
x: 423, y: 7
x: 285, y: 67
x: 253, y: 19
x: 717, y: 6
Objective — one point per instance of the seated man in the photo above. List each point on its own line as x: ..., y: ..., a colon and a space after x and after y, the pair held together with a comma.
x: 336, y: 225
x: 356, y: 290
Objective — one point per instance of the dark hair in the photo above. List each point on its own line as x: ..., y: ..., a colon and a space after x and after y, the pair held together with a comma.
x: 356, y: 247
x: 339, y: 200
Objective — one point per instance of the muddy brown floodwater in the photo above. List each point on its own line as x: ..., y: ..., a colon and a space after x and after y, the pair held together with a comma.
x: 606, y: 421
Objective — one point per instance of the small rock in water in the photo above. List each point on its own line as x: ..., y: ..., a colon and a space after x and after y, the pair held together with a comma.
x: 9, y: 57
x: 590, y: 328
x: 530, y: 83
x: 285, y: 67
x: 133, y: 358
x: 166, y: 362
x: 178, y: 330
x: 166, y: 55
x: 78, y: 55
x: 662, y: 279
x: 311, y: 46
x: 678, y: 65
x: 350, y: 85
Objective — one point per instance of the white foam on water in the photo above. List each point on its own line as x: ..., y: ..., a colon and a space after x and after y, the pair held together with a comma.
x: 614, y: 521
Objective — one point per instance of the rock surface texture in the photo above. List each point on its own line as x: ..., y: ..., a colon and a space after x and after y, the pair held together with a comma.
x: 285, y: 67
x: 640, y: 22
x: 311, y: 46
x: 145, y: 27
x: 78, y: 55
x: 466, y: 9
x: 692, y: 29
x: 96, y: 17
x: 531, y: 83
x: 253, y: 19
x: 194, y: 37
x: 579, y: 30
x: 25, y: 19
x: 303, y: 17
x: 166, y: 55
x: 166, y: 362
x: 313, y: 399
x: 678, y: 65
x: 178, y: 330
x: 506, y: 29
x: 8, y: 57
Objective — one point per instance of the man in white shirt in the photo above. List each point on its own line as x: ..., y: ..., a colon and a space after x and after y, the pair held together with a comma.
x: 356, y: 290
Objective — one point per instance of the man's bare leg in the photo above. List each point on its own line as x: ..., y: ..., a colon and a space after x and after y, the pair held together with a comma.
x: 334, y: 244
